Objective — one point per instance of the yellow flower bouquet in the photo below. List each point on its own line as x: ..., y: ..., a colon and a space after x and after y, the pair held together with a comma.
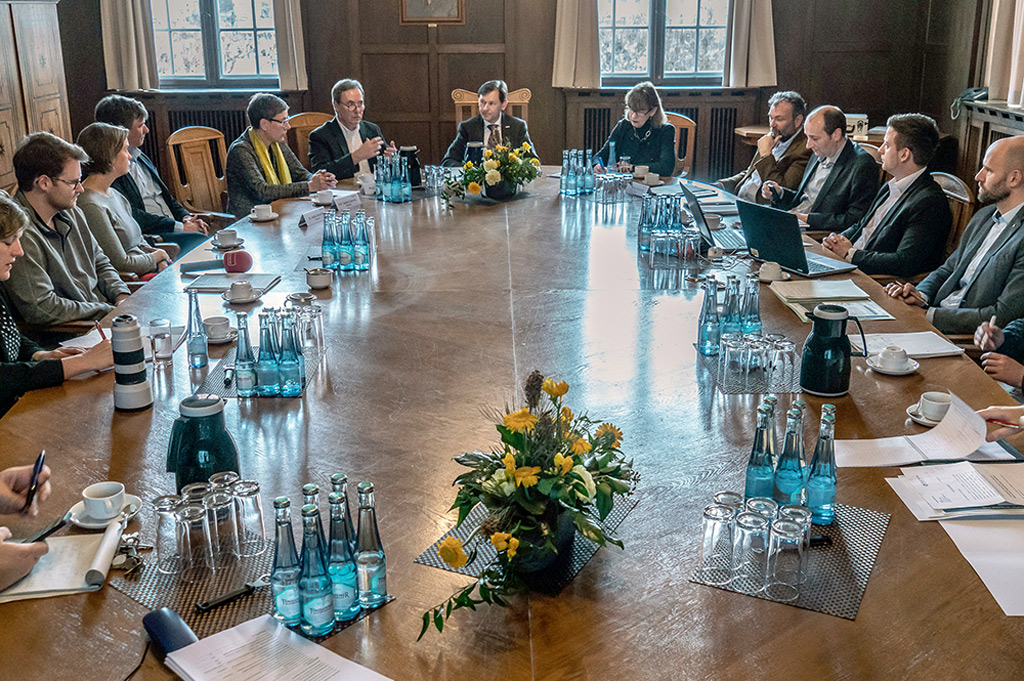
x: 500, y: 174
x: 554, y: 474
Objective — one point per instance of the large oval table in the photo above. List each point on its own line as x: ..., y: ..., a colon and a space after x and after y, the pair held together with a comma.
x: 459, y: 307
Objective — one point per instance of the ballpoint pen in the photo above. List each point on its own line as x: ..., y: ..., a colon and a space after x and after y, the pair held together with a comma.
x: 33, y: 483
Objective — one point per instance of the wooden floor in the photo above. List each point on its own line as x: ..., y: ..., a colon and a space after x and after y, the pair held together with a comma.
x: 459, y: 308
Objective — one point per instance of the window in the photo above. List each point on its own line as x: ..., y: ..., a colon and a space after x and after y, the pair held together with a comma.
x: 667, y: 41
x: 215, y: 43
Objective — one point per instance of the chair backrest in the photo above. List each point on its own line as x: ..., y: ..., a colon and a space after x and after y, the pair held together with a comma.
x: 961, y: 203
x: 686, y: 140
x: 303, y: 124
x: 876, y: 154
x: 466, y: 105
x: 194, y: 172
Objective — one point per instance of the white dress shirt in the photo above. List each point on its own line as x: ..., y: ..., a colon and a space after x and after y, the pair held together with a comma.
x: 354, y: 141
x: 152, y: 198
x: 896, y: 189
x: 822, y: 171
x: 999, y: 225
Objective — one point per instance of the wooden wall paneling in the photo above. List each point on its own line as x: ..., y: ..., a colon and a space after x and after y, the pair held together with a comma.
x: 485, y: 23
x: 82, y: 48
x: 41, y: 64
x: 377, y: 21
x: 12, y: 113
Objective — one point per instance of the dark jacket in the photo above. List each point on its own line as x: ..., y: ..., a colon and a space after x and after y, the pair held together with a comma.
x: 248, y: 187
x: 846, y: 195
x: 328, y: 149
x: 787, y: 171
x: 646, y: 146
x: 19, y: 373
x: 513, y: 134
x: 150, y: 222
x: 911, y: 237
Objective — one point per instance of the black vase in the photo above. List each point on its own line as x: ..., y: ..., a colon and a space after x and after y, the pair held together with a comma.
x: 500, y: 191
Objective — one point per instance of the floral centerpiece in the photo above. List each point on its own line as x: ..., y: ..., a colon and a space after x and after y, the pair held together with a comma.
x: 555, y: 473
x: 500, y: 174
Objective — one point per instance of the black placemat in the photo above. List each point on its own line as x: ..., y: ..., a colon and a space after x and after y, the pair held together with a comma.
x: 214, y: 382
x: 756, y: 386
x: 156, y: 590
x: 837, y: 575
x: 549, y: 581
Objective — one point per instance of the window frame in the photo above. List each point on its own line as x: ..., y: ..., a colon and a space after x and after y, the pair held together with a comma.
x: 212, y: 80
x: 656, y: 58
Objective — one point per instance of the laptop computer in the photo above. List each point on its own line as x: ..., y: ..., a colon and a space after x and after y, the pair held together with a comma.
x: 773, y: 235
x: 728, y: 239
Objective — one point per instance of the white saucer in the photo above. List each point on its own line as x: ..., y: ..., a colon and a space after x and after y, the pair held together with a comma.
x: 912, y: 366
x: 786, y: 276
x: 232, y: 335
x: 256, y: 295
x: 918, y: 419
x: 224, y: 247
x: 656, y: 184
x: 273, y: 216
x: 322, y: 205
x: 79, y: 518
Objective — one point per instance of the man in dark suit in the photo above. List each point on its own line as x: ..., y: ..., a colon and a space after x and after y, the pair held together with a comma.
x: 153, y: 206
x: 840, y: 182
x: 905, y: 230
x: 984, y: 277
x: 347, y: 145
x: 492, y: 125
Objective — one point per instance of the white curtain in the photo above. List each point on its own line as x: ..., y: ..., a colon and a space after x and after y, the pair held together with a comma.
x: 577, y: 61
x: 291, y: 51
x: 129, y: 54
x: 1005, y: 69
x: 749, y: 45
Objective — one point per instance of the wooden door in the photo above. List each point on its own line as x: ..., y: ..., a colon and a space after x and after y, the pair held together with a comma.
x: 41, y: 63
x: 12, y: 123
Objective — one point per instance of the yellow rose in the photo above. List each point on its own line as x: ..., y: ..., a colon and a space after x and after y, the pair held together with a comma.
x: 491, y: 164
x: 451, y: 552
x: 555, y: 389
x: 526, y: 476
x: 467, y: 165
x: 606, y: 428
x: 492, y: 178
x: 473, y: 188
x: 580, y: 445
x: 520, y: 421
x: 564, y: 463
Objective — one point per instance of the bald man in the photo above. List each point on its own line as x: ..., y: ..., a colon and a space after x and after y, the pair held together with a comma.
x: 840, y: 181
x: 984, y: 277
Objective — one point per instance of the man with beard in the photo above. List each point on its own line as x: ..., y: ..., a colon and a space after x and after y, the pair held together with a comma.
x: 984, y: 277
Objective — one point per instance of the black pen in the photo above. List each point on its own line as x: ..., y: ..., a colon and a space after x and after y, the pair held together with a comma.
x: 33, y: 483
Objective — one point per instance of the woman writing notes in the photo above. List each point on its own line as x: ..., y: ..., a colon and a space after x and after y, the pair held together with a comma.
x: 644, y: 135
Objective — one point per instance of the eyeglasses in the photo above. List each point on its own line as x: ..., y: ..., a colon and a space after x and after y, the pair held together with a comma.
x: 352, y: 106
x: 70, y: 183
x: 641, y: 114
x: 280, y: 121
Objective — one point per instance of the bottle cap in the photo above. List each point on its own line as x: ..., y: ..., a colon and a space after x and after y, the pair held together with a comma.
x: 335, y: 498
x: 310, y: 488
x: 309, y: 510
x: 365, y: 487
x: 338, y: 478
x: 282, y: 502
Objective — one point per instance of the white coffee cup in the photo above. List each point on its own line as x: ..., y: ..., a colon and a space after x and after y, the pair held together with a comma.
x: 262, y: 211
x: 893, y: 357
x: 226, y: 237
x: 770, y: 271
x: 103, y: 500
x: 713, y: 221
x: 934, y: 405
x: 640, y: 172
x: 324, y: 196
x: 240, y: 290
x: 216, y: 327
x: 651, y: 178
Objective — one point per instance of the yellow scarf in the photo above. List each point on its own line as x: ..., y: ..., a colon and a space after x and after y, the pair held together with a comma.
x: 283, y: 175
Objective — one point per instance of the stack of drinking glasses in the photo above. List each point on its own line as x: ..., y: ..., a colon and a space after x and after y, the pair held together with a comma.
x: 612, y: 188
x: 663, y: 233
x: 348, y: 241
x: 577, y: 173
x: 434, y: 177
x: 392, y: 178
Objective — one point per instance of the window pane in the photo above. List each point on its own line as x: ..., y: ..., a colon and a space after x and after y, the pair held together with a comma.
x: 234, y: 13
x: 163, y: 53
x: 266, y: 45
x: 714, y: 12
x: 159, y: 8
x: 711, y: 56
x: 237, y: 53
x: 631, y: 50
x: 265, y: 15
x: 680, y: 50
x: 632, y: 13
x: 183, y: 13
x: 605, y: 36
x: 681, y: 13
x: 604, y: 12
x: 187, y: 53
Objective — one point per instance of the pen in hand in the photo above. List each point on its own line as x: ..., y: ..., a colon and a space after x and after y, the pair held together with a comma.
x: 33, y: 483
x: 100, y: 329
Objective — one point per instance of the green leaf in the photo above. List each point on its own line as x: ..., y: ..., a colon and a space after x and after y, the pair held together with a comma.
x: 439, y: 620
x: 545, y: 485
x: 604, y: 503
x: 426, y: 625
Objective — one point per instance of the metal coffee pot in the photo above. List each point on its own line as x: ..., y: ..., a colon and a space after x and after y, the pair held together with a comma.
x: 825, y: 364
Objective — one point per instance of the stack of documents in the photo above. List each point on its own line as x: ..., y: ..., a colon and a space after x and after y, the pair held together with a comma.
x: 218, y: 283
x: 803, y: 296
x: 962, y: 490
x: 920, y: 345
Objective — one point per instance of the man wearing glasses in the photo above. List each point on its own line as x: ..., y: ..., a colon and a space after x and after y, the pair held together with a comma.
x: 492, y: 125
x: 348, y: 145
x: 64, y: 275
x: 260, y: 166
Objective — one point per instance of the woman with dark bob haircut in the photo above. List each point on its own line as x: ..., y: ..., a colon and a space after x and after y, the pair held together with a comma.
x: 644, y: 135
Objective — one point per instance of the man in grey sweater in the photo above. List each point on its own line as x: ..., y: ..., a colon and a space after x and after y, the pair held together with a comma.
x: 64, y: 275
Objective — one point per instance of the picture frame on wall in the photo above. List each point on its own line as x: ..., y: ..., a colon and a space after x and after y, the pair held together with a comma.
x: 418, y: 12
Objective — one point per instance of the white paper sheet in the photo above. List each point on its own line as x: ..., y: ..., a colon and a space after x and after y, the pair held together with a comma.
x: 312, y: 218
x: 995, y: 549
x: 955, y: 485
x: 918, y: 345
x: 916, y: 504
x: 264, y: 649
x: 819, y: 289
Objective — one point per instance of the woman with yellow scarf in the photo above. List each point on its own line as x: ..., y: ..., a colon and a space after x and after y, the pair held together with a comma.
x: 260, y: 167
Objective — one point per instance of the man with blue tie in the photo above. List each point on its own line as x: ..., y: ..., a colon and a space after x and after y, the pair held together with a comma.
x: 984, y: 277
x: 840, y: 182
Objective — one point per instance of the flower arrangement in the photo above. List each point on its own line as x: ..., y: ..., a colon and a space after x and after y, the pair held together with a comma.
x: 553, y: 469
x: 514, y: 167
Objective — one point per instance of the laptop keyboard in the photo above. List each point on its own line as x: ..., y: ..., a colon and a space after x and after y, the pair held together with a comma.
x: 814, y: 267
x: 730, y: 238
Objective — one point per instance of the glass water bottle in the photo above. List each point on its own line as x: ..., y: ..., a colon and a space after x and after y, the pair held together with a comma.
x: 284, y: 576
x: 752, y: 304
x: 732, y: 314
x: 709, y: 328
x: 288, y: 360
x: 760, y: 474
x: 341, y: 563
x: 198, y: 352
x: 268, y: 375
x: 370, y: 560
x: 788, y: 485
x: 245, y: 360
x: 311, y: 496
x: 339, y: 485
x: 821, y: 477
x: 315, y: 589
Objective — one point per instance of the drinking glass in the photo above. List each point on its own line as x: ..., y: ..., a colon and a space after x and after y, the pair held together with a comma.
x: 756, y: 365
x: 162, y: 342
x: 774, y: 337
x: 716, y: 547
x: 691, y: 249
x: 194, y: 492
x: 733, y: 500
x: 769, y: 508
x: 733, y: 354
x: 193, y: 540
x: 220, y: 511
x: 167, y: 559
x: 782, y: 371
x: 252, y: 535
x: 785, y: 560
x: 749, y: 552
x: 220, y: 482
x: 316, y: 320
x: 802, y: 516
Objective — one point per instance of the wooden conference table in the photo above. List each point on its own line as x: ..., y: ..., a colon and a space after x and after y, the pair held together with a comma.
x: 459, y: 308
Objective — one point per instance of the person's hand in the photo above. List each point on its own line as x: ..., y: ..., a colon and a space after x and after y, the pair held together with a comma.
x: 17, y: 560
x: 1007, y: 414
x: 368, y: 150
x: 625, y: 167
x: 907, y: 293
x: 1002, y: 368
x: 770, y: 189
x: 838, y: 244
x: 121, y: 298
x: 96, y: 358
x: 390, y: 150
x: 194, y: 223
x: 162, y: 258
x: 322, y: 180
x: 766, y: 144
x: 802, y: 217
x: 59, y: 353
x: 988, y: 336
x: 14, y: 484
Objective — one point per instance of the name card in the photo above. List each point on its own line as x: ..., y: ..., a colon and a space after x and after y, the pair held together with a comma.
x: 637, y: 188
x: 312, y: 218
x: 347, y: 200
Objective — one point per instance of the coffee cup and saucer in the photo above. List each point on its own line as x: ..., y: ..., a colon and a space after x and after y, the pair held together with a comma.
x: 226, y: 240
x: 262, y: 212
x: 893, y: 361
x: 929, y: 410
x: 324, y: 197
x: 241, y: 293
x: 772, y: 271
x: 219, y: 330
x: 101, y: 503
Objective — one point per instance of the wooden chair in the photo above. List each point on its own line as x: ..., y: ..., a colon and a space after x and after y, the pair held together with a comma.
x: 298, y: 137
x: 684, y: 162
x: 194, y: 175
x: 961, y: 204
x: 876, y: 154
x: 466, y: 105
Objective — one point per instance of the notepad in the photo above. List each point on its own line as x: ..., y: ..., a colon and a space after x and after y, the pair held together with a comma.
x: 218, y: 283
x: 919, y: 345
